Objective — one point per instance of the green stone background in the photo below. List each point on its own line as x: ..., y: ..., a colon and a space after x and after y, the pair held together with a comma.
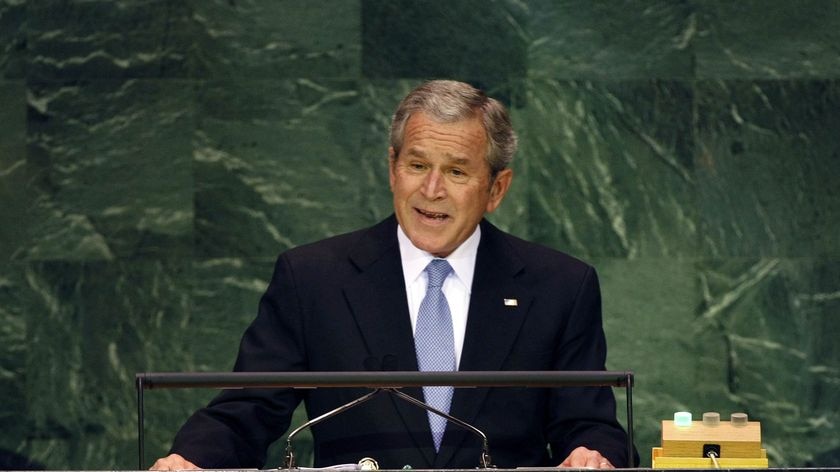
x: 156, y: 155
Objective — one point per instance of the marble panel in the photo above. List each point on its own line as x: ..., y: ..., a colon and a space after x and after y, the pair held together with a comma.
x: 13, y: 43
x: 277, y: 164
x: 224, y: 294
x: 610, y: 169
x: 766, y: 335
x: 14, y: 301
x: 224, y: 301
x: 14, y: 201
x: 767, y: 39
x: 112, y: 169
x: 467, y: 39
x: 649, y: 304
x: 580, y: 39
x: 109, y: 39
x: 751, y: 335
x: 513, y: 215
x: 379, y: 99
x: 280, y: 38
x: 767, y: 160
x: 90, y: 326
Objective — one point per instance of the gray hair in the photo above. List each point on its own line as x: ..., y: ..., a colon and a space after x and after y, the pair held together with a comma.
x: 448, y: 101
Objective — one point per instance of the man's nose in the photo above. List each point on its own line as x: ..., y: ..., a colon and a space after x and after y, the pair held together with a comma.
x: 434, y: 185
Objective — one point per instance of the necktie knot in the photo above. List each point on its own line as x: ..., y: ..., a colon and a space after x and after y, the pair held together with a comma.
x: 438, y: 270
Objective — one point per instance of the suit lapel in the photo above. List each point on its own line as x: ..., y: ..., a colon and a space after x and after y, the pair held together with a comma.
x: 378, y: 302
x: 492, y: 327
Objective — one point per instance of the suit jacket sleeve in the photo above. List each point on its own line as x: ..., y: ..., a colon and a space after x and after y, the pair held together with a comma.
x: 585, y: 416
x: 236, y: 428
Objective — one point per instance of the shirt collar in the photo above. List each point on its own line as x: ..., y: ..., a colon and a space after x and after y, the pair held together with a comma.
x: 462, y: 259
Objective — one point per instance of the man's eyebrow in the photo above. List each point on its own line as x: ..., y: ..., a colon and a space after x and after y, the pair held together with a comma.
x: 451, y: 158
x: 415, y: 152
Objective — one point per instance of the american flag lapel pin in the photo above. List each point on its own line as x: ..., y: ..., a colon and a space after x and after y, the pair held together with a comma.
x: 511, y: 302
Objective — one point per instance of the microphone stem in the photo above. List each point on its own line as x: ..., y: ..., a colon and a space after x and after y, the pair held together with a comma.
x: 485, y: 449
x: 486, y: 463
x: 290, y: 459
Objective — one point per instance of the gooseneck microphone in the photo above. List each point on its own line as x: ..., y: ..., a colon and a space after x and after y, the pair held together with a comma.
x: 484, y: 460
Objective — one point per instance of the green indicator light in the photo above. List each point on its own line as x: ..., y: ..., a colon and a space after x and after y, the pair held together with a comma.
x: 682, y: 418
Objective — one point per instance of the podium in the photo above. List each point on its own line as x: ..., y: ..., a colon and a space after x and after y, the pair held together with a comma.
x: 377, y: 380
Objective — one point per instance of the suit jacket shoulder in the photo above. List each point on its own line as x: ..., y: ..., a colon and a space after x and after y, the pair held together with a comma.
x: 520, y: 253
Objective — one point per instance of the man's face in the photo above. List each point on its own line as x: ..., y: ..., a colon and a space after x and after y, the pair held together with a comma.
x: 441, y: 182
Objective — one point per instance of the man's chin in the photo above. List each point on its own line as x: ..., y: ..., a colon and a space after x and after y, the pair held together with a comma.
x: 434, y: 248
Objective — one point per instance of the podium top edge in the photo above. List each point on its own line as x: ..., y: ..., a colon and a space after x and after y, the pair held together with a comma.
x: 390, y: 379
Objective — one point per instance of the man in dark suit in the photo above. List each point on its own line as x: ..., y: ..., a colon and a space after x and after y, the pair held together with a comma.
x: 366, y: 300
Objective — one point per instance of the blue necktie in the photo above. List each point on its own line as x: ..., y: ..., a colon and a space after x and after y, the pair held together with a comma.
x: 435, y: 343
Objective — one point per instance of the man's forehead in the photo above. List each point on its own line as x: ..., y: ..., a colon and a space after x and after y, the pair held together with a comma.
x: 430, y: 120
x: 424, y: 129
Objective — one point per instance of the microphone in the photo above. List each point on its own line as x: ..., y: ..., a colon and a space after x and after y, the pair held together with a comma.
x: 484, y: 460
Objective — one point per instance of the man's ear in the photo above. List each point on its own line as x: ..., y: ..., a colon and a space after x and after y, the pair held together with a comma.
x: 499, y: 188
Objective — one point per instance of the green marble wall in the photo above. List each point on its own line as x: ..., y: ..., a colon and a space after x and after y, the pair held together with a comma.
x: 156, y: 155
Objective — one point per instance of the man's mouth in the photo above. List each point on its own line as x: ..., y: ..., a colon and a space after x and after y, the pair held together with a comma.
x: 432, y: 214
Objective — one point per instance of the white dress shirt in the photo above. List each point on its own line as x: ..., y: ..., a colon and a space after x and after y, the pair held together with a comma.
x: 457, y: 287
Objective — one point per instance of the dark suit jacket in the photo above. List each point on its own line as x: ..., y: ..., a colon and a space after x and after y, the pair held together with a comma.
x: 340, y: 305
